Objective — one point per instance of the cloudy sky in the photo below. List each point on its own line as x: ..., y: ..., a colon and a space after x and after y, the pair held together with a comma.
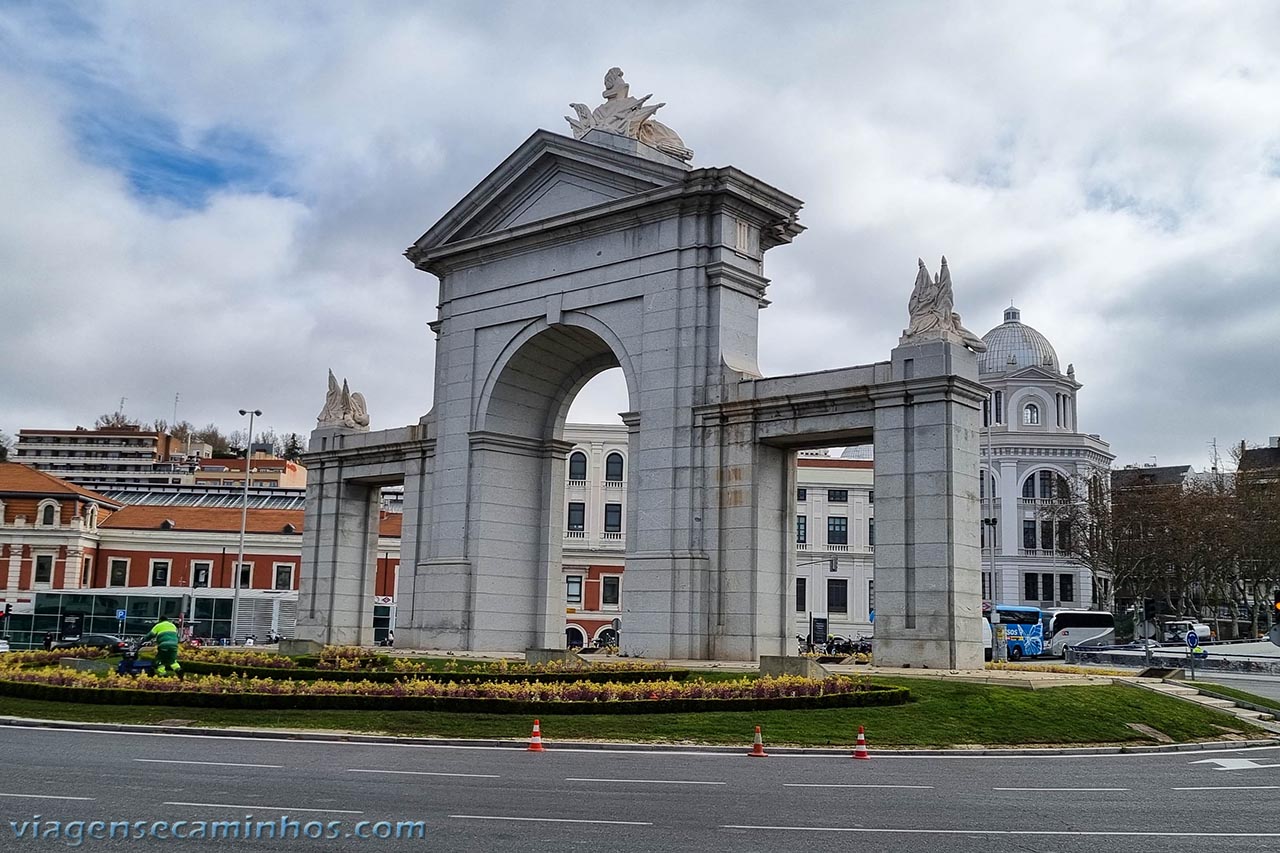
x: 211, y: 199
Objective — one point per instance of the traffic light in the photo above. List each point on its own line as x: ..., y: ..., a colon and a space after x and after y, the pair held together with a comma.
x: 1277, y: 605
x: 8, y: 608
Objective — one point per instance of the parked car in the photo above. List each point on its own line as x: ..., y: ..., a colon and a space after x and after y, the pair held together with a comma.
x: 1176, y: 631
x: 94, y: 641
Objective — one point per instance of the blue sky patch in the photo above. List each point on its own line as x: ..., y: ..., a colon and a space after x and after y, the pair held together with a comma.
x: 161, y: 166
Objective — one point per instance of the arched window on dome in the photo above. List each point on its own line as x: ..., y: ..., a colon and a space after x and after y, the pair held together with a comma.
x: 578, y: 466
x: 613, y: 468
x: 1031, y: 415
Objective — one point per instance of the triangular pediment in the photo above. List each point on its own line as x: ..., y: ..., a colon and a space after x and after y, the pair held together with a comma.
x: 1035, y: 371
x: 548, y: 176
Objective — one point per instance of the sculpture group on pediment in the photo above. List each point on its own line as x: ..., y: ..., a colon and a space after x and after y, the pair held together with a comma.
x: 624, y: 115
x: 343, y: 408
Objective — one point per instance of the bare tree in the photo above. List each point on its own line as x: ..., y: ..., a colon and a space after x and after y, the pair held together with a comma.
x: 115, y: 420
x: 6, y: 444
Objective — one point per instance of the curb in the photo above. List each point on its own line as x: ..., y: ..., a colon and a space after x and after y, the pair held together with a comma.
x: 334, y: 737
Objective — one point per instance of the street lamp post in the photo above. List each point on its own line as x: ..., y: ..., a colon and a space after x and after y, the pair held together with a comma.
x: 244, y: 519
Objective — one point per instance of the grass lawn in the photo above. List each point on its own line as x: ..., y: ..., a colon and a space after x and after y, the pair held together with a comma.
x: 943, y: 714
x: 1232, y: 693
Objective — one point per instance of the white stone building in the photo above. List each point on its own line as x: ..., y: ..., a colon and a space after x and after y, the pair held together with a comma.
x: 835, y: 535
x: 1033, y: 452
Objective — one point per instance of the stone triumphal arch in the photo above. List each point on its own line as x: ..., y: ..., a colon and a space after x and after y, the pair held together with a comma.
x: 577, y: 255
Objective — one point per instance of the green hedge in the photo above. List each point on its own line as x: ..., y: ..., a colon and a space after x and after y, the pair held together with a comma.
x: 386, y: 677
x: 872, y: 696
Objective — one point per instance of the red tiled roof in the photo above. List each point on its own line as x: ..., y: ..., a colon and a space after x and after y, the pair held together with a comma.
x: 812, y: 462
x: 223, y: 519
x: 215, y: 519
x: 17, y: 479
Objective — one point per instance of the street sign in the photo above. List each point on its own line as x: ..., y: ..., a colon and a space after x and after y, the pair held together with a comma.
x: 120, y: 614
x: 1274, y: 635
x: 819, y: 630
x: 617, y: 624
x: 1193, y: 639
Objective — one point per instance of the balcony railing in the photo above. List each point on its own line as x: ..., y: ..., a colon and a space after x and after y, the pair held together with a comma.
x: 838, y: 548
x: 608, y: 536
x: 577, y: 484
x: 615, y: 485
x: 802, y: 546
x: 575, y: 534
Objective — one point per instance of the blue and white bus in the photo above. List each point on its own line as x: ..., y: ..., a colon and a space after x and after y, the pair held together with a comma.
x: 1024, y: 633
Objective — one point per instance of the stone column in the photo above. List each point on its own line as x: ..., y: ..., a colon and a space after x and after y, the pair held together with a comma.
x: 927, y: 556
x: 339, y: 566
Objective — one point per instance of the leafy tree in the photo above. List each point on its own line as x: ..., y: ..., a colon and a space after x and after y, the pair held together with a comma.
x: 293, y: 447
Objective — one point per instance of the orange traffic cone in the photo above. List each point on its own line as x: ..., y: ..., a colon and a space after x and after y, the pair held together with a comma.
x: 757, y: 748
x: 860, y: 749
x: 535, y: 740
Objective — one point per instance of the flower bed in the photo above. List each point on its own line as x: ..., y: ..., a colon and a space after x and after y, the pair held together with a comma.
x: 423, y: 694
x: 387, y: 676
x: 42, y: 658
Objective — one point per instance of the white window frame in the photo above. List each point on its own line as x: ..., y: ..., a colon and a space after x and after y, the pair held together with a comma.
x: 57, y: 513
x: 240, y: 567
x: 569, y: 597
x: 168, y: 572
x: 53, y: 567
x: 111, y: 561
x: 603, y: 605
x: 196, y: 567
x: 275, y: 576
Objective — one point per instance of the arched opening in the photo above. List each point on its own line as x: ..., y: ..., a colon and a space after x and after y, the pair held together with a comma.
x: 543, y: 472
x: 606, y: 637
x: 613, y: 468
x: 1031, y: 415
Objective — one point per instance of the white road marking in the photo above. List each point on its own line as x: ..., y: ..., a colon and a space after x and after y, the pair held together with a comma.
x: 205, y: 763
x: 833, y: 785
x: 45, y: 797
x: 1059, y: 789
x: 644, y: 781
x: 261, y: 807
x: 843, y: 756
x: 1104, y: 832
x: 550, y: 819
x: 1235, y: 763
x: 1231, y: 788
x: 427, y: 773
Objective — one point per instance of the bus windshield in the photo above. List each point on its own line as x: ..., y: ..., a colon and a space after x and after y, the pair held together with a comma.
x: 1019, y: 617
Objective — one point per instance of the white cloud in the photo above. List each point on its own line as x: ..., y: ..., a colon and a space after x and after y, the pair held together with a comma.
x: 1115, y: 169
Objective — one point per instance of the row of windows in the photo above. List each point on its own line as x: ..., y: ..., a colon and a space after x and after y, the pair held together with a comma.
x: 577, y: 519
x: 610, y: 590
x: 1031, y: 415
x: 1044, y: 484
x: 613, y: 466
x: 837, y: 595
x: 201, y: 571
x: 837, y: 530
x: 834, y: 496
x: 1038, y: 586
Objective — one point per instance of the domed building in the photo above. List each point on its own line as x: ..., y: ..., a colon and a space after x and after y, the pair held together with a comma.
x: 1033, y: 453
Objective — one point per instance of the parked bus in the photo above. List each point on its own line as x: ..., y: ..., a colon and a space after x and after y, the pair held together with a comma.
x: 1024, y: 633
x: 1064, y: 628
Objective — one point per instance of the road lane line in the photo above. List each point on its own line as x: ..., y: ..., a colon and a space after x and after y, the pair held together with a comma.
x: 1231, y: 788
x: 205, y: 763
x: 644, y: 781
x: 1059, y: 789
x: 262, y: 808
x: 1038, y: 832
x: 550, y: 819
x: 427, y: 773
x: 835, y: 785
x: 45, y: 797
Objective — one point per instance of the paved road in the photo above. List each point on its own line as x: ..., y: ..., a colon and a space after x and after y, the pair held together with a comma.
x: 502, y: 799
x: 1259, y: 685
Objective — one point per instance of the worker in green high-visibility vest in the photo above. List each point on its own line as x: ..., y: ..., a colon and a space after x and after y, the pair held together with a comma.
x: 165, y: 634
